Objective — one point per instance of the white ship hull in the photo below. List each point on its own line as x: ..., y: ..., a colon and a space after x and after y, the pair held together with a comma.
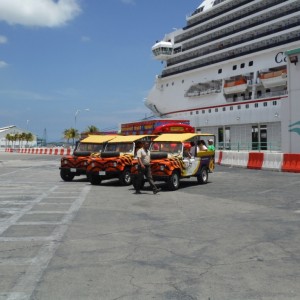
x: 208, y: 95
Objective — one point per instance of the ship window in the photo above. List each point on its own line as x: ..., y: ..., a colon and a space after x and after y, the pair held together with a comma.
x: 197, y: 112
x: 274, y: 102
x: 250, y: 63
x: 172, y: 83
x: 239, y: 107
x: 224, y: 109
x: 231, y: 107
x: 209, y: 110
x: 242, y: 65
x: 162, y: 86
x: 256, y: 105
x: 203, y: 111
x: 265, y: 103
x: 182, y: 81
x: 167, y: 84
x: 216, y: 109
x: 220, y: 71
x: 247, y: 105
x: 191, y: 113
x: 234, y: 67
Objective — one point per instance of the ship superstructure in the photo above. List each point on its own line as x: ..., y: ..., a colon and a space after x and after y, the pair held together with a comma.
x: 226, y: 70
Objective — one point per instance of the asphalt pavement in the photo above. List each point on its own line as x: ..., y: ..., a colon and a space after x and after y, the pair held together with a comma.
x: 235, y: 238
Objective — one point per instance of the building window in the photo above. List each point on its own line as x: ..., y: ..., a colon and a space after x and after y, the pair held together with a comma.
x: 256, y: 105
x: 224, y: 109
x: 203, y: 111
x: 209, y: 110
x: 197, y: 112
x: 265, y: 103
x: 242, y: 65
x: 234, y: 67
x: 231, y: 108
x: 220, y: 71
x: 250, y: 63
x: 191, y: 113
x: 216, y: 109
x: 247, y: 105
x: 239, y: 107
x: 274, y: 103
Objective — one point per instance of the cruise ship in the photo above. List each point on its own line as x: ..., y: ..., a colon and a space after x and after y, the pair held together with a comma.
x: 226, y: 71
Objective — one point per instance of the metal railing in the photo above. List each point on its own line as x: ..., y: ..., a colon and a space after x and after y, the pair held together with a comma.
x: 273, y: 146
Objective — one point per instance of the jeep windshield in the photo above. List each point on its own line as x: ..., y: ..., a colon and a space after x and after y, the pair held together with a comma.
x: 169, y: 147
x: 89, y: 147
x: 119, y: 147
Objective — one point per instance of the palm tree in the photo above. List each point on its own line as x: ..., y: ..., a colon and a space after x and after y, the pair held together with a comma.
x: 8, y: 138
x: 92, y: 129
x: 71, y: 133
x: 28, y: 137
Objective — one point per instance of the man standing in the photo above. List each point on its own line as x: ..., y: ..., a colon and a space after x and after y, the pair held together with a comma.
x: 144, y: 168
x: 211, y: 146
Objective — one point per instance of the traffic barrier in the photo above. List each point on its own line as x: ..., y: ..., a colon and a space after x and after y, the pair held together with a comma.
x: 255, y: 160
x: 220, y: 157
x: 291, y: 163
x: 272, y: 161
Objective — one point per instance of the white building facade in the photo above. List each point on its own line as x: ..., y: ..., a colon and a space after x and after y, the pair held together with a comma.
x: 12, y: 130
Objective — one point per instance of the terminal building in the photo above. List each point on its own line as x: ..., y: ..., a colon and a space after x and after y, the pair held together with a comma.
x: 22, y: 142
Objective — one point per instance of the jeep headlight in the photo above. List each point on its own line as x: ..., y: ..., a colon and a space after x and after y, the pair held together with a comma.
x: 162, y: 167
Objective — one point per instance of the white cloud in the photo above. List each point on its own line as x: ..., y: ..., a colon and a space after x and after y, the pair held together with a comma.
x: 3, y: 39
x: 42, y: 13
x: 3, y: 64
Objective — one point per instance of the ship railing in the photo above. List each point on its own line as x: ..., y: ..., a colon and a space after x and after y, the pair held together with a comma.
x: 272, y: 146
x: 272, y: 94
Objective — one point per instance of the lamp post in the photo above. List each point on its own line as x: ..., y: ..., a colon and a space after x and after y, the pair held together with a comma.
x: 76, y: 114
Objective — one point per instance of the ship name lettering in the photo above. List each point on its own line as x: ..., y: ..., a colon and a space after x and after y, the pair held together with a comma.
x: 280, y: 57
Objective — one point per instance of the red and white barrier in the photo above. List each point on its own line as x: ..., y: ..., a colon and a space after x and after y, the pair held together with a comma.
x: 283, y: 162
x: 44, y: 151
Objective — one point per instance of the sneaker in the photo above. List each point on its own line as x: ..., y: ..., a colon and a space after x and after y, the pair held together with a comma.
x: 156, y: 191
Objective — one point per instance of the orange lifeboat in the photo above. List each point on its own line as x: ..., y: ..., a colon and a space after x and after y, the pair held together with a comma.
x: 273, y: 79
x: 235, y: 86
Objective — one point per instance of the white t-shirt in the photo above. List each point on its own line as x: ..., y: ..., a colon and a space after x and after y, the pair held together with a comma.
x: 144, y: 156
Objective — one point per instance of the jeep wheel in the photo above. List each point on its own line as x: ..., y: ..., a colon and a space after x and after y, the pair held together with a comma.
x: 173, y: 181
x: 125, y: 177
x: 203, y: 176
x: 66, y: 175
x: 95, y: 179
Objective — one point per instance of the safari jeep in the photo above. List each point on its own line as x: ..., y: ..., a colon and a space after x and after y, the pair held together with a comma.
x: 172, y: 160
x: 116, y: 160
x: 75, y: 165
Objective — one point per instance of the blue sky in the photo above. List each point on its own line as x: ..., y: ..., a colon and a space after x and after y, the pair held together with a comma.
x: 60, y: 56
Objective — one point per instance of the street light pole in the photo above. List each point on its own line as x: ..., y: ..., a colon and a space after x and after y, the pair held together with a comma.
x: 76, y: 114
